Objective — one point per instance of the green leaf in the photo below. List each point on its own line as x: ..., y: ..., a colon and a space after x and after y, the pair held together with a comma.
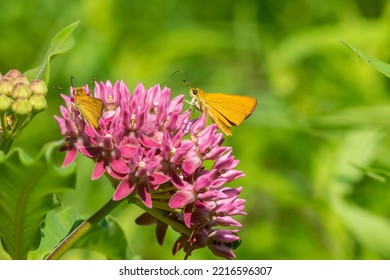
x: 107, y: 237
x: 381, y: 66
x: 27, y: 192
x: 54, y: 229
x: 336, y: 178
x: 380, y: 175
x: 371, y: 230
x: 60, y: 43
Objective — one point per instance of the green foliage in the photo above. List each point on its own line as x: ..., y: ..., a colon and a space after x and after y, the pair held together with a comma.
x: 28, y: 192
x: 377, y: 64
x: 54, y: 229
x: 107, y: 237
x: 60, y: 43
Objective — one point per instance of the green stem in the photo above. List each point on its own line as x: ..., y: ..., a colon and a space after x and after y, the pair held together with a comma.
x: 6, y: 144
x: 82, y: 229
x: 6, y: 140
x: 159, y: 215
x: 3, y: 124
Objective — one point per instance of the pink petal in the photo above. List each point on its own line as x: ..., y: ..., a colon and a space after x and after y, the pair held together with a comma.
x: 204, y: 181
x: 61, y: 123
x: 116, y: 175
x: 67, y: 101
x: 190, y: 165
x: 209, y: 195
x: 177, y: 181
x: 198, y: 125
x: 180, y: 199
x: 179, y: 244
x: 227, y: 221
x: 215, y: 153
x: 144, y: 194
x: 232, y: 175
x: 91, y: 152
x: 119, y: 166
x: 123, y: 190
x: 176, y: 103
x: 149, y: 142
x: 98, y: 170
x: 222, y: 251
x: 158, y: 178
x: 127, y: 151
x: 188, y: 214
x: 229, y: 192
x: 70, y: 157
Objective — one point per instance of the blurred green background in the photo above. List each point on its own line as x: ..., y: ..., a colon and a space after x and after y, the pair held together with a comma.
x: 321, y: 111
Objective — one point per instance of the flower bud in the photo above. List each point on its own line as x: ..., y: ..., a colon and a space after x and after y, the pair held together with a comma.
x: 38, y: 102
x: 21, y: 79
x: 38, y: 87
x: 22, y: 107
x: 5, y: 103
x: 6, y: 86
x: 20, y: 90
x: 13, y: 74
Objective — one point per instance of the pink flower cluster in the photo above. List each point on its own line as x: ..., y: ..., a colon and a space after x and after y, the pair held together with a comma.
x: 154, y: 151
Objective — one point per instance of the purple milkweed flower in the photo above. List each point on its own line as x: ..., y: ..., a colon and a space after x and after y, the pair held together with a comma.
x: 156, y: 153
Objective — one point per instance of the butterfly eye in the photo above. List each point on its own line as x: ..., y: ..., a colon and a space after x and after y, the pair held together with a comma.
x: 194, y: 91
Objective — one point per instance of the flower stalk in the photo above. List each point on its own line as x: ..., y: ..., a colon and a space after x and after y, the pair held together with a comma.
x: 82, y: 229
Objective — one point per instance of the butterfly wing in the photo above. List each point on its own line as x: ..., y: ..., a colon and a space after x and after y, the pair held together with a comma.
x: 231, y: 109
x: 225, y: 110
x: 91, y: 108
x: 220, y: 120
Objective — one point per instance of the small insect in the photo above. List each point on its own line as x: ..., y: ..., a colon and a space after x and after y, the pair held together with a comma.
x: 225, y: 110
x: 234, y: 245
x: 90, y: 108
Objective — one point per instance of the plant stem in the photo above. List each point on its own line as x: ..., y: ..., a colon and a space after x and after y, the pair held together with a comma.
x: 6, y: 144
x: 158, y: 214
x: 82, y: 229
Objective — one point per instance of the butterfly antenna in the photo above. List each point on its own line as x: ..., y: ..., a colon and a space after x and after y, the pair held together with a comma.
x: 174, y: 73
x: 187, y: 83
x: 186, y: 80
x: 72, y: 81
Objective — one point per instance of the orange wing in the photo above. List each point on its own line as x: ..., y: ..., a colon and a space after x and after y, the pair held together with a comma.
x: 91, y: 108
x: 234, y: 108
x: 225, y: 110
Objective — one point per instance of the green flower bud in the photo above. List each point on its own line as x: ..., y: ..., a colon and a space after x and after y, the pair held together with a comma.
x: 38, y: 102
x: 22, y: 107
x: 38, y: 87
x: 13, y: 74
x: 6, y: 86
x: 20, y: 90
x: 5, y: 103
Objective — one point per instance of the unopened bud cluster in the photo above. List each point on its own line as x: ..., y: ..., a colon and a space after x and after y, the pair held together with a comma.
x: 20, y: 100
